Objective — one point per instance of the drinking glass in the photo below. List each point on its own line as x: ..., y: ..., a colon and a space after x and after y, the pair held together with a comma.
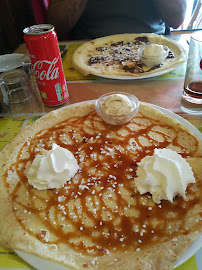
x: 27, y: 67
x: 17, y: 92
x: 15, y: 86
x: 193, y: 77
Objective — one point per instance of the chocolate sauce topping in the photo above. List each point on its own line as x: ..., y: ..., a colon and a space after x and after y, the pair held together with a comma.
x: 170, y: 55
x: 142, y: 39
x: 123, y: 56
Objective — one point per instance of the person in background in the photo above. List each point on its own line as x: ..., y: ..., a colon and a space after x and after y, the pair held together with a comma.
x: 89, y: 19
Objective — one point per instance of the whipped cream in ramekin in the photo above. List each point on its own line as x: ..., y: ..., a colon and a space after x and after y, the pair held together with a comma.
x: 117, y: 104
x: 153, y: 54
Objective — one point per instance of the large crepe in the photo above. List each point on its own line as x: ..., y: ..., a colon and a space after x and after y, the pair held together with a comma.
x: 118, y: 55
x: 98, y: 220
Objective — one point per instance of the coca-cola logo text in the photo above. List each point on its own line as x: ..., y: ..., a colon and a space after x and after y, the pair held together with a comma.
x: 46, y: 69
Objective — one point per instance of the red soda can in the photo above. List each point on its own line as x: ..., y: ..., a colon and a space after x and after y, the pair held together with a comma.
x: 42, y: 44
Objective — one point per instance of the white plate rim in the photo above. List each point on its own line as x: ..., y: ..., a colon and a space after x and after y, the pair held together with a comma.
x: 146, y: 76
x: 43, y: 264
x: 15, y: 57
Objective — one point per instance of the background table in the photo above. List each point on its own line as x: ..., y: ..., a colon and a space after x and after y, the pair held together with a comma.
x: 165, y: 91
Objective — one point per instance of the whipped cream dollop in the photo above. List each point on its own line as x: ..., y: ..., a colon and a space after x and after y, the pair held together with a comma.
x: 154, y: 50
x: 164, y: 175
x: 117, y: 104
x: 52, y: 169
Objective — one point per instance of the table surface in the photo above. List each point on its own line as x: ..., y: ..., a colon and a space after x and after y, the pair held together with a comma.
x: 165, y: 91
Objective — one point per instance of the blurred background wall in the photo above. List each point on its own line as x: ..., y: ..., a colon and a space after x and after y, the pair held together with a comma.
x: 15, y: 15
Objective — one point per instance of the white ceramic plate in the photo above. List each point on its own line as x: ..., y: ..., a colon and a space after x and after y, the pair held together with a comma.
x: 10, y: 61
x: 156, y: 73
x: 43, y: 264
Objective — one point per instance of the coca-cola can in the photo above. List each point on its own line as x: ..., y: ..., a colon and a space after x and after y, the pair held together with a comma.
x: 42, y: 44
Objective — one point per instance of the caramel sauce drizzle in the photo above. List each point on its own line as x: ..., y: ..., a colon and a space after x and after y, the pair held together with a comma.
x: 100, y: 204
